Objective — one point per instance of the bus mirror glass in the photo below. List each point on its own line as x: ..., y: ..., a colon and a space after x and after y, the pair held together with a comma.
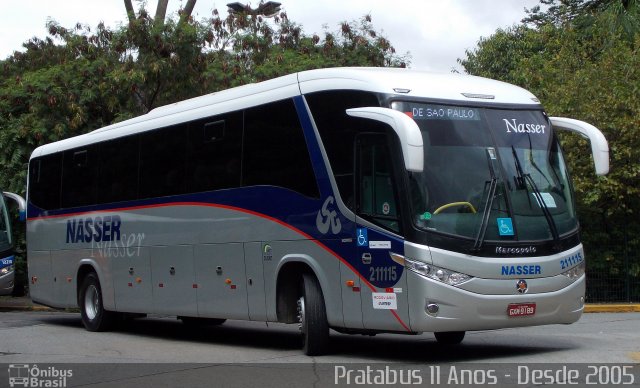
x: 22, y: 205
x: 406, y: 129
x: 599, y: 145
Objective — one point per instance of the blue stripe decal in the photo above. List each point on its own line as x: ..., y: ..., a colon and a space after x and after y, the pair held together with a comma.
x: 317, y: 161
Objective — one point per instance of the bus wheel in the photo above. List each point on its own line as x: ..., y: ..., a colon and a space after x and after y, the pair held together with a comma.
x: 449, y: 337
x: 312, y: 317
x: 94, y: 316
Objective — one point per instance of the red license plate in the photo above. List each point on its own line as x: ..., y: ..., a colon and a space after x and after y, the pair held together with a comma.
x: 521, y: 309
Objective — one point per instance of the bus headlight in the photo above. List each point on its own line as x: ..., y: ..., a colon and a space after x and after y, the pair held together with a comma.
x: 436, y: 273
x: 6, y: 270
x: 575, y: 272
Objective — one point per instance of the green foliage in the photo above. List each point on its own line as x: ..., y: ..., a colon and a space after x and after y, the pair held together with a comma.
x: 582, y: 59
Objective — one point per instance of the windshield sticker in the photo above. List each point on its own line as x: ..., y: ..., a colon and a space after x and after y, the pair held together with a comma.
x: 426, y: 216
x: 547, y: 198
x: 441, y: 112
x: 386, y: 208
x: 505, y: 226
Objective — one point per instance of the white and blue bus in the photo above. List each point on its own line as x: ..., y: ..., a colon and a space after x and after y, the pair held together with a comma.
x: 7, y: 257
x: 362, y: 200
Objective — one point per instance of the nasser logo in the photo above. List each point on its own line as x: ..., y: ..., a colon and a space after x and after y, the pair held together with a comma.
x: 521, y: 286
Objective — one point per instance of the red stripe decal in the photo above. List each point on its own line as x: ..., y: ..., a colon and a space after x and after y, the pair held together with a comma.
x: 233, y: 208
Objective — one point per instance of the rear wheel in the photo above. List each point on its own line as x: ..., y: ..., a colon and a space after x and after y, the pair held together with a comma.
x: 94, y: 316
x: 449, y: 337
x: 312, y: 317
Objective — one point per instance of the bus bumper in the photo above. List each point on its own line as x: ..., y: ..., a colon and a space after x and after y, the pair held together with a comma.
x: 461, y: 310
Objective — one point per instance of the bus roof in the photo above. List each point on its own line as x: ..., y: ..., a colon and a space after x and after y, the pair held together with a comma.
x: 405, y: 83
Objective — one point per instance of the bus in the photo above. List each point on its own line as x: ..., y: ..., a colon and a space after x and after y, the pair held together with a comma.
x: 360, y: 200
x: 7, y: 258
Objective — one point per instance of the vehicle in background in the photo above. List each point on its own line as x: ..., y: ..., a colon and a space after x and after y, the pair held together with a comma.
x: 7, y: 258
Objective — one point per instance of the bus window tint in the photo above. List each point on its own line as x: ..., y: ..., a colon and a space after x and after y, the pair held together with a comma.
x: 214, y: 148
x: 44, y: 181
x: 275, y: 151
x: 118, y: 170
x: 162, y: 162
x: 338, y: 131
x: 79, y: 175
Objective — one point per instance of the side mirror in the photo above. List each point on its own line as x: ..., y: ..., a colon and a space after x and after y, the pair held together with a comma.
x: 406, y: 128
x: 22, y: 205
x: 599, y: 145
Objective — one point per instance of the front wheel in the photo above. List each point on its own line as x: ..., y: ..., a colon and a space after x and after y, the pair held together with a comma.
x: 449, y: 337
x: 312, y: 317
x: 94, y: 316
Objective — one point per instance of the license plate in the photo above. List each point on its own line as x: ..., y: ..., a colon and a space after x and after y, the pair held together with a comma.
x: 521, y: 309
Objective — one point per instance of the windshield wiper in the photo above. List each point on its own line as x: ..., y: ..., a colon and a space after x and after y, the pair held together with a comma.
x: 521, y: 180
x: 488, y: 204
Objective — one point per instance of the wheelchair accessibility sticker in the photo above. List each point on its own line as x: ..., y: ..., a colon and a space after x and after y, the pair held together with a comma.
x: 363, y: 240
x: 505, y: 226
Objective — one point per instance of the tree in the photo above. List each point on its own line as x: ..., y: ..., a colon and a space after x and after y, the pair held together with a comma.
x: 583, y: 66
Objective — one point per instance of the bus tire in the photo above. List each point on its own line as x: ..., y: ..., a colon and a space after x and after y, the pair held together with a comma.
x: 94, y: 316
x: 312, y: 317
x: 449, y: 337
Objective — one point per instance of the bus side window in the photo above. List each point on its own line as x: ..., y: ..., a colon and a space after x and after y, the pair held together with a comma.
x: 44, y: 181
x: 375, y: 187
x: 275, y: 151
x: 214, y: 147
x: 79, y: 175
x: 338, y: 131
x: 118, y: 171
x: 163, y: 162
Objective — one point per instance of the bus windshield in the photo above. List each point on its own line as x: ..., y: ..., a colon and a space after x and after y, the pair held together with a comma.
x: 489, y: 174
x: 5, y: 231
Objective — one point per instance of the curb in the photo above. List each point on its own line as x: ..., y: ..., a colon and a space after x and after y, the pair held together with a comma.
x: 612, y: 308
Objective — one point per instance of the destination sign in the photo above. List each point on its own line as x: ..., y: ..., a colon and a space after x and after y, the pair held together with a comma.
x: 442, y: 112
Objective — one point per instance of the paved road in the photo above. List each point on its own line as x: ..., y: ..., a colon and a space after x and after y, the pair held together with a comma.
x: 54, y: 337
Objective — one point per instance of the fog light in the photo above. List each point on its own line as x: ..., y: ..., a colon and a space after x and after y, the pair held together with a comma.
x: 432, y: 309
x: 582, y: 300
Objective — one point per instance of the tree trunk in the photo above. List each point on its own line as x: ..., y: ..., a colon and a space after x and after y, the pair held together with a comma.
x: 185, y: 13
x: 161, y: 11
x: 131, y: 13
